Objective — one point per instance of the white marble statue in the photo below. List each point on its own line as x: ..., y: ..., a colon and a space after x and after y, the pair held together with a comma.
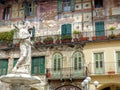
x: 25, y: 48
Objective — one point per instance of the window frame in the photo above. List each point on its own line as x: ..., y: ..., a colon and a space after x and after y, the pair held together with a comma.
x: 57, y: 61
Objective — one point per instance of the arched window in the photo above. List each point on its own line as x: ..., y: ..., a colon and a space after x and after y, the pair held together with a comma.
x: 57, y: 61
x: 77, y: 60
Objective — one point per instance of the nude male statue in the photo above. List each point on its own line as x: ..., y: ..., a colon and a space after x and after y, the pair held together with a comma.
x: 25, y: 46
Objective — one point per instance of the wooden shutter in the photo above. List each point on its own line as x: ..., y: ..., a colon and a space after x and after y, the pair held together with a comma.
x: 15, y: 61
x: 64, y: 29
x: 26, y: 8
x: 99, y: 28
x: 3, y: 66
x: 42, y: 65
x: 59, y: 6
x: 68, y: 29
x: 38, y: 65
x: 72, y: 5
x: 33, y: 33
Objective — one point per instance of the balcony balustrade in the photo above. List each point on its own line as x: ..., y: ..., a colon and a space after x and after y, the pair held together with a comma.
x: 66, y: 73
x: 104, y: 68
x: 83, y: 37
x: 5, y: 23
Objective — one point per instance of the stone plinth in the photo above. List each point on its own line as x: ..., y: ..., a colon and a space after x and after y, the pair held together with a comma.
x: 20, y: 81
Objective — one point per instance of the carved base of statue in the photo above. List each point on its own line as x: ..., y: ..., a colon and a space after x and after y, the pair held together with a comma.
x: 20, y: 81
x: 22, y: 69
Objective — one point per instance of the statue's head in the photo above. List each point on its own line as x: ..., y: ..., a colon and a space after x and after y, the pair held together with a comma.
x: 25, y: 24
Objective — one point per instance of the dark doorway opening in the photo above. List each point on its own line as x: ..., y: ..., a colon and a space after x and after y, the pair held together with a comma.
x: 107, y: 88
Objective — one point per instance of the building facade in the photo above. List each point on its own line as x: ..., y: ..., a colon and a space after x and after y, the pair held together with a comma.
x: 72, y: 39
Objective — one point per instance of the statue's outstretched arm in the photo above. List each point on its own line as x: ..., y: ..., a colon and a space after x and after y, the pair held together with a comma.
x: 16, y: 27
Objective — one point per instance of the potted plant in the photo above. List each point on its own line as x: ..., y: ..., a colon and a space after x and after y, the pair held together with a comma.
x: 112, y: 33
x: 118, y: 35
x: 38, y: 41
x: 82, y: 38
x: 6, y: 37
x: 99, y: 38
x: 75, y: 32
x: 48, y: 40
x: 57, y: 39
x: 111, y: 72
x: 66, y: 38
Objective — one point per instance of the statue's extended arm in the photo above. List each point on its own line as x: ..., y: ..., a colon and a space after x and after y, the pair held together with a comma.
x: 16, y: 27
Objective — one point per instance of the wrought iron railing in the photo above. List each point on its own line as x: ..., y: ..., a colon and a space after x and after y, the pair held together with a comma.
x: 64, y: 73
x: 90, y: 36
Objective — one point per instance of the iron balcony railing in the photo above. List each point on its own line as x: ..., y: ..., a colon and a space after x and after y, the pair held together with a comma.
x: 104, y: 68
x: 81, y: 37
x: 66, y: 73
x: 91, y: 36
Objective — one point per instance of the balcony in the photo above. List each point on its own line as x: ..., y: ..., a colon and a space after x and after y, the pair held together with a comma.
x: 81, y: 39
x: 66, y: 73
x: 105, y: 68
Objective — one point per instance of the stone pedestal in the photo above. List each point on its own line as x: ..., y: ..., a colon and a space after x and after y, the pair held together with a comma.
x: 19, y: 87
x: 20, y: 81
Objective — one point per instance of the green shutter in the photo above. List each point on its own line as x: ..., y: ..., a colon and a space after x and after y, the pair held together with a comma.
x: 72, y: 5
x: 15, y: 61
x: 32, y: 6
x: 38, y: 65
x: 64, y: 29
x: 68, y: 29
x: 59, y: 6
x: 25, y: 3
x: 42, y: 65
x: 3, y: 66
x: 33, y: 33
x: 99, y: 28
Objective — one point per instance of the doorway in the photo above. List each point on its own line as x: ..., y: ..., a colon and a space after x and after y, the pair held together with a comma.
x: 107, y: 88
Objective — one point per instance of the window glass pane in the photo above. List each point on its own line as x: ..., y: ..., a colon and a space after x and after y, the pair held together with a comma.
x: 96, y: 64
x: 66, y: 5
x: 77, y: 60
x: 57, y: 61
x: 75, y: 63
x: 101, y: 64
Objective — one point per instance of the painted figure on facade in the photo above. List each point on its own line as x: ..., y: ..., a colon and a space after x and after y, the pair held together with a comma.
x: 25, y: 48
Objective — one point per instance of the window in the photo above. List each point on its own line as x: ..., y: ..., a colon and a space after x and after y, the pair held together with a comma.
x: 77, y: 60
x: 28, y: 8
x: 99, y: 65
x: 66, y: 29
x: 38, y: 65
x: 66, y: 5
x: 118, y: 61
x: 98, y: 3
x: 3, y: 66
x: 57, y: 61
x: 6, y: 13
